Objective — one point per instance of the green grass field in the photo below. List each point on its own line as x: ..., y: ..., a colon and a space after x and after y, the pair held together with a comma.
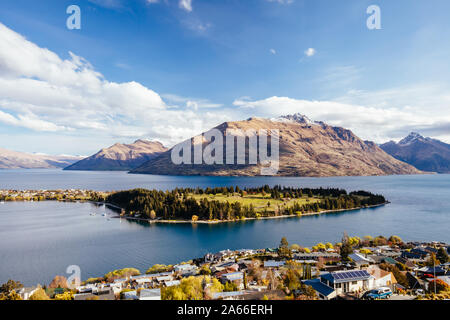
x: 259, y: 202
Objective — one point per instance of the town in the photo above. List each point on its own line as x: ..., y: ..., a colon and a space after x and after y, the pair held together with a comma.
x: 370, y: 268
x: 51, y: 195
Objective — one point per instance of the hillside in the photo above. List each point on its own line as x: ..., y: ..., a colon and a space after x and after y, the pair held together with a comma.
x: 120, y: 157
x: 21, y: 160
x: 426, y: 154
x: 307, y: 148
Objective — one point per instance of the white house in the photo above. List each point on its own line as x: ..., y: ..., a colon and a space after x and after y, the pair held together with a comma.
x: 380, y: 278
x: 330, y: 285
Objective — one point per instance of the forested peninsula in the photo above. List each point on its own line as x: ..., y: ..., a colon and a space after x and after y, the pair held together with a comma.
x: 233, y: 203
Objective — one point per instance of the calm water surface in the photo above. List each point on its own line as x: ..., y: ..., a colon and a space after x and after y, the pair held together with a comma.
x: 39, y: 240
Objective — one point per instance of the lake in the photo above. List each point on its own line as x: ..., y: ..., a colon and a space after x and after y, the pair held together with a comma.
x: 39, y: 240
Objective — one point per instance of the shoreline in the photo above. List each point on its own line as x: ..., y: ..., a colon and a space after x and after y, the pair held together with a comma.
x: 241, y: 220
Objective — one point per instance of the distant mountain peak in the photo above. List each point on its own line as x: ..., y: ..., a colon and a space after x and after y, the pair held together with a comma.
x: 121, y: 156
x: 426, y: 154
x: 412, y: 137
x: 296, y: 117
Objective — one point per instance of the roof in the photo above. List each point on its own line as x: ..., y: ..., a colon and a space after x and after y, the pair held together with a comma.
x: 148, y: 293
x: 346, y: 276
x: 359, y: 258
x: 320, y: 287
x: 221, y: 295
x: 273, y: 264
x: 233, y: 276
x: 389, y: 260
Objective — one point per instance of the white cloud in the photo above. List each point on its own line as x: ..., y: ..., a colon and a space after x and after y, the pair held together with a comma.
x: 310, y: 52
x: 369, y: 122
x: 273, y: 51
x: 185, y: 5
x: 43, y: 92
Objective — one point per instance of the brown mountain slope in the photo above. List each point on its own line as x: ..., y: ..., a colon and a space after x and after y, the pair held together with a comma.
x: 306, y: 149
x: 120, y: 157
x: 21, y: 160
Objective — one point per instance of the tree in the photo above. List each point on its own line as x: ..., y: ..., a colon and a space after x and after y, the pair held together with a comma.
x: 64, y: 296
x: 158, y: 268
x: 39, y: 294
x: 442, y: 255
x: 59, y: 282
x: 432, y: 261
x: 395, y: 240
x: 438, y: 286
x: 153, y: 215
x: 10, y: 285
x: 194, y: 218
x: 346, y: 248
x: 283, y: 249
x: 12, y: 295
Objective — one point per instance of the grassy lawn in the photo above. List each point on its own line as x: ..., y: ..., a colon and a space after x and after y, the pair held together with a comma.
x: 258, y: 200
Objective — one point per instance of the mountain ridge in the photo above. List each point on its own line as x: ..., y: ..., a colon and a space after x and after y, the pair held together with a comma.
x: 423, y: 153
x: 21, y: 160
x: 307, y: 148
x: 120, y: 157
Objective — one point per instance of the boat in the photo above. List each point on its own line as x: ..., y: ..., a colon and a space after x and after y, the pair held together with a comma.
x: 2, y: 202
x: 104, y: 215
x: 93, y: 214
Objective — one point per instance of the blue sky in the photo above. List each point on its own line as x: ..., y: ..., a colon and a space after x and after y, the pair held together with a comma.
x: 197, y: 63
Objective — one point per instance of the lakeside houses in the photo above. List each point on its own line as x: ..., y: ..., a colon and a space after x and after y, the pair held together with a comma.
x: 247, y: 274
x: 51, y: 195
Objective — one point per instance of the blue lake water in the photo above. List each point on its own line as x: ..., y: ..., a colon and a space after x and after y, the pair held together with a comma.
x: 39, y: 240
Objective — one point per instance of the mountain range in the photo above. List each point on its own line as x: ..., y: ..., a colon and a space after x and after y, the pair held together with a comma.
x: 21, y: 160
x: 120, y: 157
x: 426, y: 154
x: 306, y: 148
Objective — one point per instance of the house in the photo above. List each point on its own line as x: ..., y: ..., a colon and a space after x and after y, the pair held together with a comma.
x: 273, y: 264
x: 381, y: 278
x: 434, y: 271
x: 232, y: 277
x: 360, y: 260
x: 332, y: 284
x: 172, y: 283
x: 323, y: 291
x: 323, y: 256
x: 150, y: 294
x: 130, y: 295
x: 234, y: 295
x: 186, y: 269
x: 26, y: 293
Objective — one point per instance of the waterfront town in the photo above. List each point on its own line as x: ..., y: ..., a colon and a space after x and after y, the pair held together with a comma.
x: 51, y: 195
x: 370, y: 268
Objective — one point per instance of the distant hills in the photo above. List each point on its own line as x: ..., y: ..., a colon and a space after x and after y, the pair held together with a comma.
x: 120, y: 157
x: 21, y: 160
x: 426, y: 154
x: 307, y: 148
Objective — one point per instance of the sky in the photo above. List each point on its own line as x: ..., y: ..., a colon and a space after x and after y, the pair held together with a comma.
x: 167, y: 70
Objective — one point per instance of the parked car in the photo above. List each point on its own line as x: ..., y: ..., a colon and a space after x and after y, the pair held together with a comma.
x: 380, y: 293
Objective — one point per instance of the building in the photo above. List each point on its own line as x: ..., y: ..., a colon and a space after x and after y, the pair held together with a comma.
x: 360, y: 260
x: 186, y: 269
x: 332, y: 284
x: 381, y: 278
x: 232, y: 277
x: 150, y: 294
x: 273, y: 264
